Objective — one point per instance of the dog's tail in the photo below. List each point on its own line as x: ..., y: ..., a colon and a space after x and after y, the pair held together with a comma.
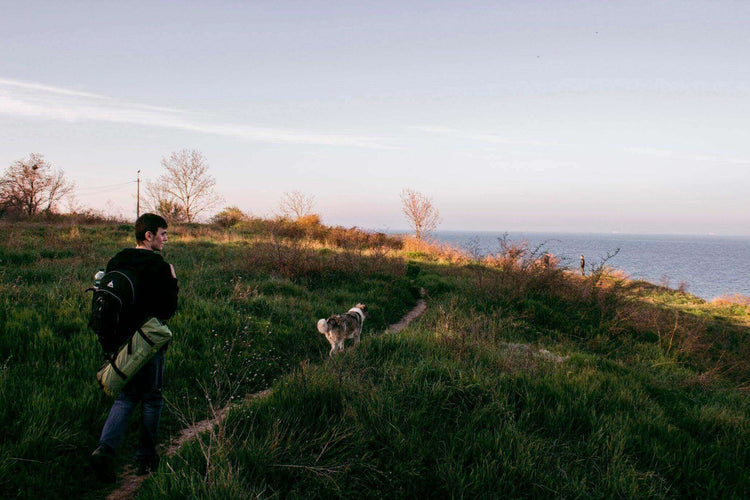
x: 323, y: 326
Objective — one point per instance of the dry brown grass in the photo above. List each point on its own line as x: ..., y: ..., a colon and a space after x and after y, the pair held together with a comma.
x: 607, y: 308
x: 435, y: 251
x: 732, y: 300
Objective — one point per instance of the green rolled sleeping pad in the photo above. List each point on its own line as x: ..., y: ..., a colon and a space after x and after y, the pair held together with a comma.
x: 141, y: 347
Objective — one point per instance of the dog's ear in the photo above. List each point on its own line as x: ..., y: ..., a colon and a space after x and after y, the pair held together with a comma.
x: 362, y: 307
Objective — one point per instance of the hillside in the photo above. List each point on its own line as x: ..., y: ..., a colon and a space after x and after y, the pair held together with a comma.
x: 518, y: 381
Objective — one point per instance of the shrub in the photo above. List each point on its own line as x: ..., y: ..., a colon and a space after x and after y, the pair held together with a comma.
x: 229, y: 217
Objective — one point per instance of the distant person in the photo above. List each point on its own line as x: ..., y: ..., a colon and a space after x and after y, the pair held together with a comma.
x: 156, y: 296
x: 583, y: 266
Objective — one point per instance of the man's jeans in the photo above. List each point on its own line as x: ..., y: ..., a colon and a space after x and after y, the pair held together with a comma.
x: 145, y: 386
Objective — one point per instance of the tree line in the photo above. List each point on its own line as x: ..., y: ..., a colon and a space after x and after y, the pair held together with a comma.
x: 185, y: 192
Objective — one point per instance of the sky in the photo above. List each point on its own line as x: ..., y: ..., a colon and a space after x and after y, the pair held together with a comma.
x: 565, y: 116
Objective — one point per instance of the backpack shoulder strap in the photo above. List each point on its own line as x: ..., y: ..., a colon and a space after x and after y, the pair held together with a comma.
x: 129, y: 280
x: 121, y: 282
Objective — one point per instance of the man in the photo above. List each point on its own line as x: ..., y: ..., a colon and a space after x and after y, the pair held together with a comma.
x: 583, y: 266
x: 155, y: 296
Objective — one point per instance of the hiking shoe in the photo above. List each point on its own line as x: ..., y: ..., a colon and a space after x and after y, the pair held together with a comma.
x: 145, y: 466
x: 102, y: 461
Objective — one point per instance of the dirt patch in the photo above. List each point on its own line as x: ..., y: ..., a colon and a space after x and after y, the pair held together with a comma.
x: 410, y: 316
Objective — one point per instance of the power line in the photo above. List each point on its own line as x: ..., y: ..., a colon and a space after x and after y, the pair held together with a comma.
x: 107, y: 187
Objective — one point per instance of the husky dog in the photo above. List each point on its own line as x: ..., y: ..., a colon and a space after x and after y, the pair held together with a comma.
x: 339, y: 327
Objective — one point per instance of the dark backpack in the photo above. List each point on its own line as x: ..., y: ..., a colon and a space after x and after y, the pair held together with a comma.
x: 111, y: 309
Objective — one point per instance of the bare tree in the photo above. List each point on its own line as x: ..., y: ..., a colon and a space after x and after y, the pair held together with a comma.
x: 186, y: 187
x: 422, y: 214
x: 295, y: 205
x: 159, y: 200
x: 31, y: 186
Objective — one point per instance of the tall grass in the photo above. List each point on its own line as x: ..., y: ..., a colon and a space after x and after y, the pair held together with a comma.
x: 523, y: 379
x: 247, y: 313
x: 433, y: 413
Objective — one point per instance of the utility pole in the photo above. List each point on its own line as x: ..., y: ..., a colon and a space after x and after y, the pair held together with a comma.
x: 138, y: 197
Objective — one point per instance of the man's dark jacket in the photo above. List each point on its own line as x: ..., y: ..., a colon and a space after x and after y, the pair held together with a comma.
x: 155, y: 287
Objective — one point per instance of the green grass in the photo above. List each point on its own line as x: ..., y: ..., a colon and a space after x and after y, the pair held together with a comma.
x: 422, y: 414
x: 517, y: 382
x: 468, y: 404
x: 241, y: 324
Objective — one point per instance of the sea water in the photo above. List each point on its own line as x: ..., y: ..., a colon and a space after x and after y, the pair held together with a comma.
x: 707, y: 266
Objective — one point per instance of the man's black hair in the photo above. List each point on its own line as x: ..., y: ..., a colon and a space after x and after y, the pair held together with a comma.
x: 146, y: 223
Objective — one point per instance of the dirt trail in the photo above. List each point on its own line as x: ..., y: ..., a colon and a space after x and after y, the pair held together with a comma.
x: 410, y: 316
x: 129, y: 482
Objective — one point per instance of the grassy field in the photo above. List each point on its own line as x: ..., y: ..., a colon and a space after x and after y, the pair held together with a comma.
x: 519, y: 381
x: 247, y: 313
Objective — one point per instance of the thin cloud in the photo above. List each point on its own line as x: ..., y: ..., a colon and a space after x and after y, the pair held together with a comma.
x: 665, y: 153
x: 489, y: 138
x: 659, y: 153
x: 47, y: 89
x: 31, y: 100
